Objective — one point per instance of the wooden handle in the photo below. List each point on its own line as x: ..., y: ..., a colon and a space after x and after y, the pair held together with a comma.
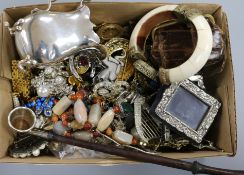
x: 203, y: 169
x: 195, y: 167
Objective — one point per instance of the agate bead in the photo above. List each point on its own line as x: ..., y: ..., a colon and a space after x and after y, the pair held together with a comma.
x: 95, y: 114
x: 87, y: 126
x: 116, y: 109
x: 109, y: 132
x: 83, y: 135
x: 80, y: 111
x: 122, y: 137
x: 106, y: 120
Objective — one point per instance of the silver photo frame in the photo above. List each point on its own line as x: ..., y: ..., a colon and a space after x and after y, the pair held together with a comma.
x: 201, y: 112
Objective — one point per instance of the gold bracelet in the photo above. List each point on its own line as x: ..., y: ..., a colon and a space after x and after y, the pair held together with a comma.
x: 21, y: 81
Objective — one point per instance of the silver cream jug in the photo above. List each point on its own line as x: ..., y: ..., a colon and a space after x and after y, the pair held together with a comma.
x: 46, y: 37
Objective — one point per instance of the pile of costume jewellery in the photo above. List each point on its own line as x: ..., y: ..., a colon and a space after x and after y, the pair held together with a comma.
x: 140, y: 85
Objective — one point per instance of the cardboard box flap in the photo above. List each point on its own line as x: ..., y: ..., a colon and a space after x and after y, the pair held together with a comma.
x: 1, y: 43
x: 6, y: 134
x: 231, y: 87
x: 101, y: 11
x: 112, y: 160
x: 8, y: 50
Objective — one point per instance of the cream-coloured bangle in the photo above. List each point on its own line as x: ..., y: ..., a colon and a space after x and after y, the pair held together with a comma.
x: 203, y: 47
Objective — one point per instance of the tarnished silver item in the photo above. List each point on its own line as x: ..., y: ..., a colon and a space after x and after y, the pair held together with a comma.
x: 52, y: 80
x: 145, y: 125
x: 21, y: 119
x: 197, y: 134
x: 110, y: 90
x: 45, y: 37
x: 198, y: 79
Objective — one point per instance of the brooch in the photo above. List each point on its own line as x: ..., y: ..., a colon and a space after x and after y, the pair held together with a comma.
x: 118, y: 48
x: 110, y: 90
x: 117, y: 52
x: 27, y: 145
x: 86, y: 58
x: 109, y: 31
x: 52, y: 81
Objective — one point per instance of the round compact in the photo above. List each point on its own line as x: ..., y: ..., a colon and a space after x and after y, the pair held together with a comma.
x: 202, y: 50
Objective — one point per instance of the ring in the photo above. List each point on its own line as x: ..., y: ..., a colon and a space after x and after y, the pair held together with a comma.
x: 203, y: 47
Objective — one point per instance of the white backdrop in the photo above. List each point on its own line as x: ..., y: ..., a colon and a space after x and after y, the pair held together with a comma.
x: 234, y: 11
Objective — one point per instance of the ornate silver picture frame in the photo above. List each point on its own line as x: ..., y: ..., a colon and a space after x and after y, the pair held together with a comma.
x: 188, y: 109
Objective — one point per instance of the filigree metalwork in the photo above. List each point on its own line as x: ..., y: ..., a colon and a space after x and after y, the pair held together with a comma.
x: 53, y: 79
x: 198, y: 134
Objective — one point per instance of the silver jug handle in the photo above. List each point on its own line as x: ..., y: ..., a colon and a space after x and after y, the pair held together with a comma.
x: 50, y: 2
